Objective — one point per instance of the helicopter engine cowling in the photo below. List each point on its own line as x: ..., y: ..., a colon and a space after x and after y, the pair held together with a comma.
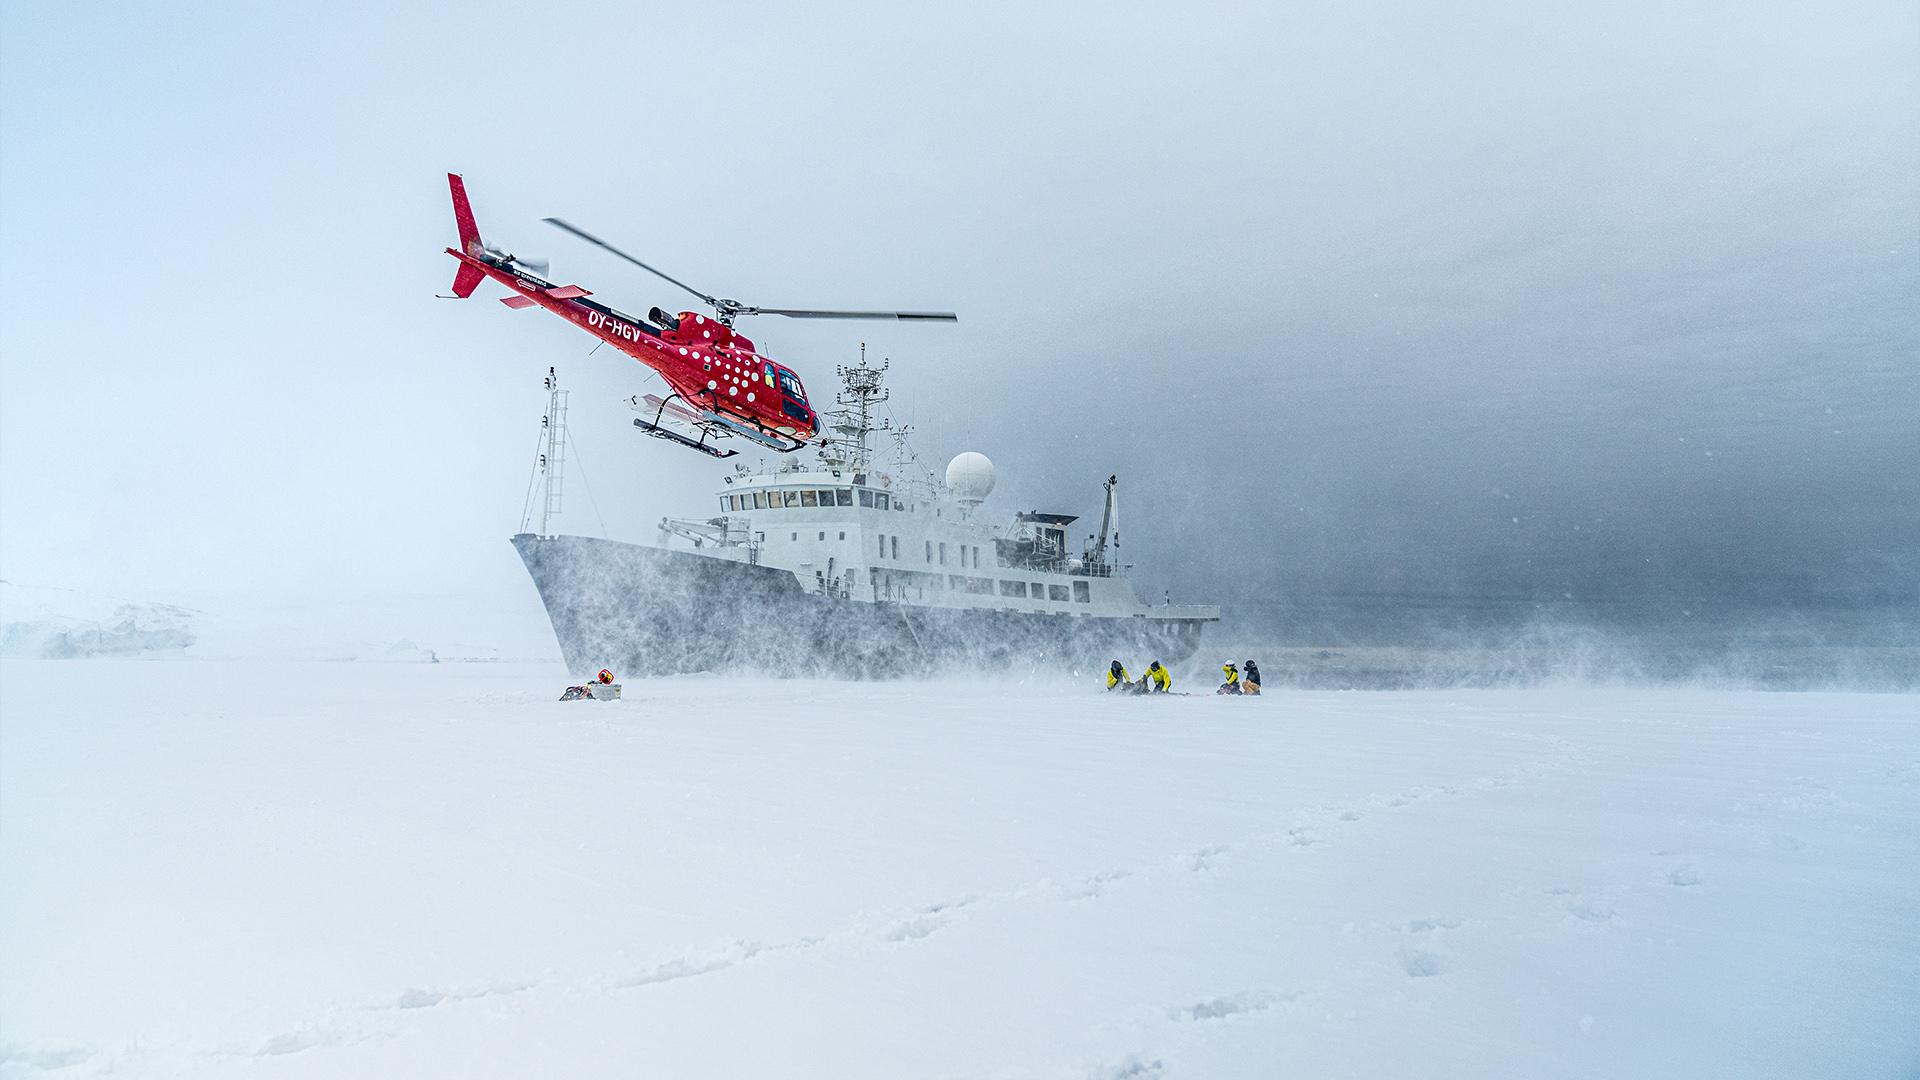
x: 663, y: 320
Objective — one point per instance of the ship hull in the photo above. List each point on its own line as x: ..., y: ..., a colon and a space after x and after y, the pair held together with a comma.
x: 648, y: 610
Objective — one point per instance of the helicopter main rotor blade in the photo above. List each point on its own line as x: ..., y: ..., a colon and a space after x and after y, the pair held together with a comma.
x: 597, y: 242
x: 903, y: 316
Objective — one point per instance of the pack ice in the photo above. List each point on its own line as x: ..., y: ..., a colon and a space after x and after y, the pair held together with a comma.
x: 216, y: 869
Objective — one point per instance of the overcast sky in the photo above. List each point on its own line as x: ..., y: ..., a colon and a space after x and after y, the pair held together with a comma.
x: 1508, y: 298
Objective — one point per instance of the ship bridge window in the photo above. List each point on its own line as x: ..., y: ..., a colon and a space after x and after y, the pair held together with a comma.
x: 809, y: 498
x: 866, y: 497
x: 792, y: 497
x: 880, y: 499
x: 1082, y: 594
x: 826, y: 496
x: 759, y: 500
x: 895, y: 544
x: 843, y: 496
x: 1037, y: 591
x: 1056, y: 592
x: 1013, y: 588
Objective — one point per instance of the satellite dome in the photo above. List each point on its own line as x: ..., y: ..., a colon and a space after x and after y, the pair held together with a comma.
x: 970, y: 477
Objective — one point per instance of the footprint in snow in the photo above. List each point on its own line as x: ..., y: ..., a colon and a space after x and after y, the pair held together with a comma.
x: 1203, y: 858
x: 1684, y: 876
x: 1132, y: 1067
x: 1422, y: 963
x: 1247, y: 1001
x: 1089, y: 888
x: 1587, y: 910
x: 925, y: 921
x: 686, y: 967
x: 292, y: 1042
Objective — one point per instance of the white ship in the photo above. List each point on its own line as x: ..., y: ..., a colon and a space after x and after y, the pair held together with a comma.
x: 849, y: 567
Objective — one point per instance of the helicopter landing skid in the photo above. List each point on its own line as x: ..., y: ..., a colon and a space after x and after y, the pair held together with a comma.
x: 711, y: 422
x: 665, y: 412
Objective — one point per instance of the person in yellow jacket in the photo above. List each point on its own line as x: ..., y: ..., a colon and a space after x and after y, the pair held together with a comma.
x: 1232, y: 685
x: 1157, y: 679
x: 1117, y: 677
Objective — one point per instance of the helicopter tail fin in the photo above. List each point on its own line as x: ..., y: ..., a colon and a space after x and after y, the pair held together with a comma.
x: 469, y: 276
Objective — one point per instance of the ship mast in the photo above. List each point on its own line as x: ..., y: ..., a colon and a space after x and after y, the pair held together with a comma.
x: 861, y: 389
x: 550, y: 462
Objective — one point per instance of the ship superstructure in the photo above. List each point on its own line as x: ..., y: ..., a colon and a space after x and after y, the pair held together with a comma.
x: 853, y: 566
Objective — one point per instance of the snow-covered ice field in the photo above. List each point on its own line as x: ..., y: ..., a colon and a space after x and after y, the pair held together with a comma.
x: 218, y: 869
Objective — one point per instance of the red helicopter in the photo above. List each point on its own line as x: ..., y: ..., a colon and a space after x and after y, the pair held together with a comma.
x: 720, y: 386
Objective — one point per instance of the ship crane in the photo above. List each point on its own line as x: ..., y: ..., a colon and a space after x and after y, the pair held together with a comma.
x: 1096, y: 558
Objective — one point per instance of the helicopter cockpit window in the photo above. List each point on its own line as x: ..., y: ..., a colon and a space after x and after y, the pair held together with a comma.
x: 791, y: 385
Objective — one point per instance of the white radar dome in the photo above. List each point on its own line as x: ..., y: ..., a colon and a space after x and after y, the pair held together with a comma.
x: 970, y: 477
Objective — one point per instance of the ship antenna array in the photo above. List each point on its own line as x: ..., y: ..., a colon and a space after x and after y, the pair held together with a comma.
x: 551, y: 461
